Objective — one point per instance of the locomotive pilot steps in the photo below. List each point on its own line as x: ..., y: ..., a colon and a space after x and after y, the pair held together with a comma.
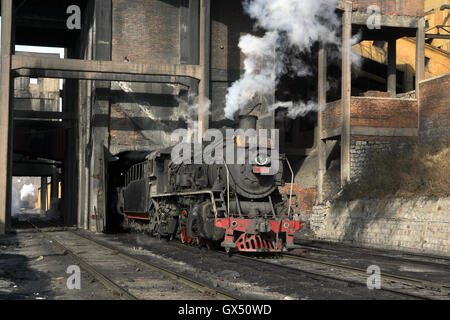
x: 232, y: 202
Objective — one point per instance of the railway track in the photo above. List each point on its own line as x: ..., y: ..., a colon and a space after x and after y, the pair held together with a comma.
x: 119, y: 289
x: 401, y: 256
x: 418, y: 283
x: 315, y: 273
x: 277, y: 263
x: 409, y: 287
x: 171, y: 274
x: 431, y: 287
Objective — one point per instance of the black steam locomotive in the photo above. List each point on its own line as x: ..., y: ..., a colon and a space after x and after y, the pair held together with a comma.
x: 235, y: 205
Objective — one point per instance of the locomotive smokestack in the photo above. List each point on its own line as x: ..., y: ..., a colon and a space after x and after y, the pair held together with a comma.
x: 247, y: 122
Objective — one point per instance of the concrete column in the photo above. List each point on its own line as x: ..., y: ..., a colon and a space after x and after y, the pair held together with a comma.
x: 54, y: 189
x: 69, y: 181
x: 205, y: 63
x: 392, y: 68
x: 420, y: 54
x: 346, y: 93
x: 100, y: 126
x: 408, y: 76
x: 43, y: 195
x: 420, y: 62
x: 322, y: 99
x: 5, y: 115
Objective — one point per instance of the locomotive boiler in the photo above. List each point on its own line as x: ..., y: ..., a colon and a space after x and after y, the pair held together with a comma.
x: 233, y: 204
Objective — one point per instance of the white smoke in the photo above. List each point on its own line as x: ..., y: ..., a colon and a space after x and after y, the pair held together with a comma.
x: 260, y: 71
x: 27, y: 190
x: 292, y: 27
x: 303, y: 21
x: 299, y: 109
x: 190, y: 109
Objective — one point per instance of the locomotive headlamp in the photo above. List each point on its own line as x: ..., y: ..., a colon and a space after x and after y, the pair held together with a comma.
x: 262, y: 160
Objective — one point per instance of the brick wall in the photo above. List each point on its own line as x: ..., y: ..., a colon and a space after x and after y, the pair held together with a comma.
x: 146, y: 31
x: 435, y: 110
x: 332, y: 115
x: 122, y: 131
x: 381, y: 113
x: 228, y: 22
x: 363, y: 149
x: 303, y: 199
x: 392, y: 7
x: 375, y: 93
x: 384, y: 112
x: 373, y: 112
x: 416, y: 225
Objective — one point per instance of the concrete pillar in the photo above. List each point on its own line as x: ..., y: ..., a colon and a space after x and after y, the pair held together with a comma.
x: 69, y: 181
x: 6, y: 90
x: 84, y: 105
x: 322, y: 99
x: 43, y: 195
x: 100, y: 124
x: 54, y: 190
x: 420, y: 62
x: 205, y: 63
x: 346, y: 93
x: 420, y: 54
x: 392, y: 68
x: 408, y: 78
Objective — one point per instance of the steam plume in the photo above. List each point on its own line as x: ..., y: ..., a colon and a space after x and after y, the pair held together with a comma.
x: 191, y: 107
x: 27, y: 190
x: 292, y: 27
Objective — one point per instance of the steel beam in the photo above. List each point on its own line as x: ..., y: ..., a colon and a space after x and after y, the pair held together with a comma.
x: 437, y: 36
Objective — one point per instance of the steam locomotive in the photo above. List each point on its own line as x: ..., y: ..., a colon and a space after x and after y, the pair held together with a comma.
x: 235, y: 205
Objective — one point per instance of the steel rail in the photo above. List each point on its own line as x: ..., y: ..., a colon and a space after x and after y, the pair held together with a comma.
x: 444, y: 288
x: 311, y: 273
x: 379, y: 252
x: 171, y: 274
x: 104, y: 280
x: 335, y: 278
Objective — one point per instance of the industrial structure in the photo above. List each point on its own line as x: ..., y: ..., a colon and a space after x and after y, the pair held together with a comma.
x: 130, y: 70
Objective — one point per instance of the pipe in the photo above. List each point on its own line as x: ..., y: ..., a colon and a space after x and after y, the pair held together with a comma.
x: 292, y: 187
